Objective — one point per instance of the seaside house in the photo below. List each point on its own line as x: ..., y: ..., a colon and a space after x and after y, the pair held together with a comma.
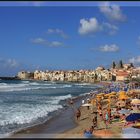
x: 25, y: 75
x: 37, y: 75
x: 100, y: 68
x: 127, y: 66
x: 122, y: 76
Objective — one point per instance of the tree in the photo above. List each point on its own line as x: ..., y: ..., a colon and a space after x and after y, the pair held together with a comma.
x: 113, y: 65
x: 120, y: 65
x: 95, y: 76
x: 131, y: 65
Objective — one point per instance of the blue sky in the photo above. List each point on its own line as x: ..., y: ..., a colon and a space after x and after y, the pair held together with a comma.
x: 61, y: 36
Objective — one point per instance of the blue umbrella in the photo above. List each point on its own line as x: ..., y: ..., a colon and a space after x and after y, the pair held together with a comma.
x: 133, y: 117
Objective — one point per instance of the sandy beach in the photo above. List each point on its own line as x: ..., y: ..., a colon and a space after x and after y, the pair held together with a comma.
x: 113, y: 130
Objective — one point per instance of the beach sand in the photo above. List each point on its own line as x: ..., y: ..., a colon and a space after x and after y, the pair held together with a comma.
x: 113, y: 130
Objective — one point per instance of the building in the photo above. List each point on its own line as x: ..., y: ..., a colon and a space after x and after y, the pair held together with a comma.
x: 25, y: 75
x: 122, y: 76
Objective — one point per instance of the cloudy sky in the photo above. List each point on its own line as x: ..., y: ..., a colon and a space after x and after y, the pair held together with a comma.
x: 39, y: 35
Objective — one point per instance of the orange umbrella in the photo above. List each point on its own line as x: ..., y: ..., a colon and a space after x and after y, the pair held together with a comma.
x: 100, y: 94
x: 106, y: 95
x: 113, y: 92
x: 122, y: 95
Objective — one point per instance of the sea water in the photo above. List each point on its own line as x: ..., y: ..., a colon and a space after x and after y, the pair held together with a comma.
x: 25, y: 103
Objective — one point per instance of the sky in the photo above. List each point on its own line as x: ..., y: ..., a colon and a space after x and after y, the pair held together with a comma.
x: 67, y: 35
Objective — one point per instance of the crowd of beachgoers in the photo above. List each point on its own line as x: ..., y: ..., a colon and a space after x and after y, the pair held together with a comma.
x: 113, y: 111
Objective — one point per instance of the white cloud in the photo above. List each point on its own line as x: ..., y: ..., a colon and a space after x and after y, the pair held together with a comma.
x: 109, y: 28
x: 39, y: 41
x: 112, y: 12
x: 42, y: 41
x: 109, y: 48
x: 8, y: 63
x: 92, y: 26
x: 57, y: 31
x: 89, y: 26
x: 56, y: 44
x: 135, y: 60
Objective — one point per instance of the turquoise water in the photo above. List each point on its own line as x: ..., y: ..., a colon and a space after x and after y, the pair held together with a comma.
x: 26, y: 103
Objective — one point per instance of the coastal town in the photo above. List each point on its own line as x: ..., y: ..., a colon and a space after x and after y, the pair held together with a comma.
x: 70, y: 69
x: 117, y: 72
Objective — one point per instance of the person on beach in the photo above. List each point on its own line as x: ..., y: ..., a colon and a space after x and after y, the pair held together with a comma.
x: 78, y: 114
x: 94, y: 121
x: 71, y: 102
x: 106, y: 118
x: 88, y: 133
x: 109, y: 115
x: 122, y: 117
x: 92, y: 129
x: 83, y: 101
x: 88, y: 101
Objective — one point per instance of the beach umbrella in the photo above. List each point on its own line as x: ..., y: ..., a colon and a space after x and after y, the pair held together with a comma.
x: 98, y: 98
x: 135, y: 111
x: 93, y: 102
x: 137, y: 125
x: 113, y: 93
x: 120, y: 103
x: 100, y: 94
x: 133, y: 117
x: 124, y: 111
x: 108, y: 100
x: 112, y: 96
x: 130, y: 132
x: 106, y: 95
x: 122, y: 92
x: 122, y: 95
x: 87, y: 105
x: 135, y: 101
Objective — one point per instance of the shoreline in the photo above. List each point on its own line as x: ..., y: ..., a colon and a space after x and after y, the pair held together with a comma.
x: 59, y: 123
x: 63, y: 121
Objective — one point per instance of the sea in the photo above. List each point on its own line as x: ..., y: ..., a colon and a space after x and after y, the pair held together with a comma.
x: 25, y: 103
